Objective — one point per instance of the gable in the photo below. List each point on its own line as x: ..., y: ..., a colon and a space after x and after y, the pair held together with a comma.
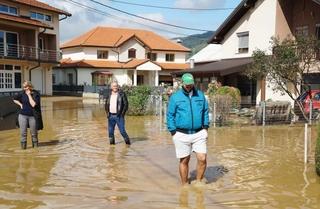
x: 232, y: 19
x: 150, y: 66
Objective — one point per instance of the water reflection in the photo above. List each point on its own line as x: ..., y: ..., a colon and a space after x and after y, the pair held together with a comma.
x: 190, y: 193
x: 116, y: 167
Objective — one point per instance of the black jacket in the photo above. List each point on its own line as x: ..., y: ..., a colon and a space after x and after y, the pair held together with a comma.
x: 36, y: 110
x: 122, y: 103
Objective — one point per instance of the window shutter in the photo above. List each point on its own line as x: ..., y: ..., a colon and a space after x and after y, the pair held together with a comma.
x: 243, y: 40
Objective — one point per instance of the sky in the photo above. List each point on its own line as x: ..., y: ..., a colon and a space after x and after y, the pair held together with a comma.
x: 88, y: 14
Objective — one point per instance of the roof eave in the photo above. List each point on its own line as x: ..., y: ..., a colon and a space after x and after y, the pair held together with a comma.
x: 232, y: 19
x: 56, y: 10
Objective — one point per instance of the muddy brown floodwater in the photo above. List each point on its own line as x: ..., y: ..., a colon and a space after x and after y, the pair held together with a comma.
x: 74, y: 166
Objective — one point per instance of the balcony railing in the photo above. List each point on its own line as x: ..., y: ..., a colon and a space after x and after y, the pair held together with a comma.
x: 22, y: 52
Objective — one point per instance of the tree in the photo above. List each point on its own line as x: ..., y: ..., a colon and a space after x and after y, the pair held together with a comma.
x: 291, y: 59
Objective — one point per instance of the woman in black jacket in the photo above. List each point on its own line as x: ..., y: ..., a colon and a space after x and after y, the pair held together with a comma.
x: 29, y: 114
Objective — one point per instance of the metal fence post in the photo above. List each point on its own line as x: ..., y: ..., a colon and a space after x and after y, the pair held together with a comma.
x: 214, y: 113
x: 160, y: 111
x: 305, y: 143
x: 165, y: 112
x: 263, y: 113
x: 310, y: 112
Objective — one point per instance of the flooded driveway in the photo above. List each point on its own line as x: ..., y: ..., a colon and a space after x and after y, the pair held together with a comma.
x: 75, y: 167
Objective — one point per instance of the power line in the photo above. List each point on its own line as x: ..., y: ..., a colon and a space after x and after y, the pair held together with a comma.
x: 119, y: 18
x: 174, y: 8
x: 141, y: 17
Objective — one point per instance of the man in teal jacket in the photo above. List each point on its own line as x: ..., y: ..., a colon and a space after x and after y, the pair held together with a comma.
x: 188, y: 122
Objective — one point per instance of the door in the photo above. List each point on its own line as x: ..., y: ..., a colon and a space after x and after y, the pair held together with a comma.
x: 70, y: 79
x: 12, y: 44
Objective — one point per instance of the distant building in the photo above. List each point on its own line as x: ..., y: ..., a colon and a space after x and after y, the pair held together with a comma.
x: 29, y: 44
x: 130, y: 56
x: 249, y: 27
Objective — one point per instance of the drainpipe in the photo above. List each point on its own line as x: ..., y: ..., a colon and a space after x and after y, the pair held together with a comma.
x: 65, y: 17
x: 114, y: 46
x: 38, y: 65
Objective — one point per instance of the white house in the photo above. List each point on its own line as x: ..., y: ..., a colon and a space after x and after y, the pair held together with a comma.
x: 249, y: 27
x: 131, y: 56
x: 29, y: 44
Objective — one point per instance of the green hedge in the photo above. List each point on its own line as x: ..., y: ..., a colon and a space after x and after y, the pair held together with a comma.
x: 138, y: 97
x: 317, y: 153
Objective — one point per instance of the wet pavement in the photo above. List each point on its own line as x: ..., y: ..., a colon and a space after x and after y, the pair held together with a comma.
x: 74, y: 166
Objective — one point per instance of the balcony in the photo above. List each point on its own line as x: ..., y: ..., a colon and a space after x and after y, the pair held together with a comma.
x: 21, y: 52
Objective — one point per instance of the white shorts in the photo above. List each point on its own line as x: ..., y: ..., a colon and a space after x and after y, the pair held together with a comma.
x: 187, y: 143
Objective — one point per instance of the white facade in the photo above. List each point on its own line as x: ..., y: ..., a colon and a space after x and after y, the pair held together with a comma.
x: 260, y: 29
x: 211, y: 52
x: 129, y: 76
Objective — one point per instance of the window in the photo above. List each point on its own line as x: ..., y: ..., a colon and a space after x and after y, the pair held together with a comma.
x: 302, y: 31
x: 10, y: 76
x: 132, y: 53
x: 140, y: 80
x: 48, y: 18
x: 54, y: 79
x: 8, y: 44
x: 170, y: 57
x: 102, y: 54
x: 152, y: 56
x: 40, y: 16
x: 17, y: 80
x: 243, y: 42
x: 8, y: 9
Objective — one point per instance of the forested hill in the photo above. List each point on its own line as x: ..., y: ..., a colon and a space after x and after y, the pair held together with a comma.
x: 195, y: 42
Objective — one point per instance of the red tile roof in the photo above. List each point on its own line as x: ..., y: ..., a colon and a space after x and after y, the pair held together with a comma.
x: 173, y: 66
x: 23, y: 20
x: 115, y: 37
x: 66, y: 63
x: 41, y: 5
x: 132, y: 64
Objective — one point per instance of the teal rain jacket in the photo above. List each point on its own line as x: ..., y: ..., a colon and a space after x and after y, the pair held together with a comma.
x: 188, y: 114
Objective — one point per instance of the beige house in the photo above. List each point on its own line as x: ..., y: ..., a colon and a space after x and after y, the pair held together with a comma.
x: 131, y: 56
x: 29, y: 44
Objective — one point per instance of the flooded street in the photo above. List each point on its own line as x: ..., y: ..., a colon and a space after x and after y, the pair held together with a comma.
x: 74, y: 166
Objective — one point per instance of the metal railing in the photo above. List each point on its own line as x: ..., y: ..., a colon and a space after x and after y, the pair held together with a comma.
x: 13, y: 51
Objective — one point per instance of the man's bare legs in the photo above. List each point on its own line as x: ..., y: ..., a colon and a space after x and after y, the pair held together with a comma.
x: 201, y: 165
x: 184, y: 169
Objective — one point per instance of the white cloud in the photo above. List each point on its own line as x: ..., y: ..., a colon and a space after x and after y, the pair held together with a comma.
x: 82, y: 20
x: 199, y: 3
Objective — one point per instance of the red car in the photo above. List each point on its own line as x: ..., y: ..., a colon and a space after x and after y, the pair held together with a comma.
x: 305, y: 98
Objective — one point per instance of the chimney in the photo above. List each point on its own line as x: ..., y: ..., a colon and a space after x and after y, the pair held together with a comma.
x: 191, y: 63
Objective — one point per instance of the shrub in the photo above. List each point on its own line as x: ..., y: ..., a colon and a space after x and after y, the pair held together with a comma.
x: 138, y: 97
x: 225, y: 97
x: 317, y: 153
